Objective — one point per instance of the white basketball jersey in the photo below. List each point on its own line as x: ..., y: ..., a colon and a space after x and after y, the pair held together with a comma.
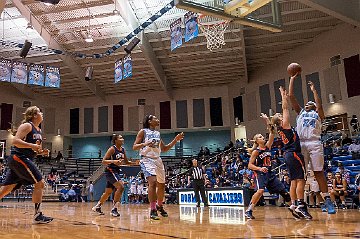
x: 308, y: 125
x: 154, y: 150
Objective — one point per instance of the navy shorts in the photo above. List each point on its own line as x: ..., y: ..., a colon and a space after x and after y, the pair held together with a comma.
x: 111, y: 178
x: 22, y: 171
x: 295, y: 165
x: 270, y: 181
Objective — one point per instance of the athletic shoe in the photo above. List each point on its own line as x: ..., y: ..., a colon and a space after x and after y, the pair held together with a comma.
x: 330, y: 206
x: 114, y: 212
x: 39, y: 218
x: 342, y: 206
x: 248, y: 214
x: 97, y: 210
x: 302, y: 210
x: 154, y: 215
x: 162, y: 211
x: 323, y: 207
x: 293, y: 212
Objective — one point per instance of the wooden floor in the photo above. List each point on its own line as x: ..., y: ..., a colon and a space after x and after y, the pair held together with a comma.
x: 77, y: 221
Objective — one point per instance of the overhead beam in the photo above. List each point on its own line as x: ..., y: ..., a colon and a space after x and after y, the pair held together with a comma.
x: 52, y: 43
x: 129, y: 17
x: 347, y: 11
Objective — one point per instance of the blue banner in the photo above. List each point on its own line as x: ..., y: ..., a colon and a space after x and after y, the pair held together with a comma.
x: 191, y: 26
x: 19, y: 72
x: 5, y: 70
x: 127, y: 66
x: 118, y: 71
x: 36, y: 75
x: 52, y: 77
x: 176, y: 34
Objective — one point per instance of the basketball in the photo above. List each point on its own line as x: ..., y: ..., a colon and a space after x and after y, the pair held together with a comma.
x: 293, y: 68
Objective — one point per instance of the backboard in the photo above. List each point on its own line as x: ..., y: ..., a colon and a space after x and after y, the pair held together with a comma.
x: 245, y: 12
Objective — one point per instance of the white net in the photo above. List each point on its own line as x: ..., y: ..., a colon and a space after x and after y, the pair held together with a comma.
x: 214, y: 34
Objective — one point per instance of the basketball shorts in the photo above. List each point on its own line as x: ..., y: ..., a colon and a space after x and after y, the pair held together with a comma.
x: 153, y: 167
x: 111, y: 178
x: 313, y: 154
x: 22, y: 171
x: 270, y: 181
x: 295, y: 165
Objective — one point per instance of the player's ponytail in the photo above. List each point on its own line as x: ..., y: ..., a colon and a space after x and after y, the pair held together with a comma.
x: 255, y: 144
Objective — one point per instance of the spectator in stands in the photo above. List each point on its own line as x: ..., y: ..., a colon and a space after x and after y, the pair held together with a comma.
x: 357, y: 184
x: 286, y: 182
x: 71, y: 194
x: 218, y: 183
x: 91, y: 191
x: 339, y: 189
x: 83, y: 193
x: 345, y: 173
x: 125, y: 194
x: 201, y: 152
x: 63, y: 194
x: 330, y: 178
x: 354, y: 123
x: 346, y: 140
x: 354, y: 148
x: 51, y: 179
x: 59, y: 156
x: 207, y: 151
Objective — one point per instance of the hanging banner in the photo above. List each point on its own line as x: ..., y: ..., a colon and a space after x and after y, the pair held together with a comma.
x: 127, y: 66
x: 191, y: 26
x: 52, y: 78
x: 36, y: 75
x: 176, y: 34
x: 118, y: 71
x: 19, y: 72
x: 5, y: 70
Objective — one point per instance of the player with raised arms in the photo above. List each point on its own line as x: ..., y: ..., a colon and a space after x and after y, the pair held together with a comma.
x: 308, y: 127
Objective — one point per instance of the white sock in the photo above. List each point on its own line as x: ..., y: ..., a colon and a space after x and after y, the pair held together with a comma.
x: 343, y: 202
x: 98, y: 204
x: 251, y: 207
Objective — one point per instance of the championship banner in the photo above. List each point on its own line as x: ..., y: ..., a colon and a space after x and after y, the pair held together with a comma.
x: 5, y: 70
x: 52, y: 78
x: 118, y: 71
x: 176, y: 34
x: 36, y: 75
x: 191, y: 26
x: 19, y: 72
x: 127, y: 66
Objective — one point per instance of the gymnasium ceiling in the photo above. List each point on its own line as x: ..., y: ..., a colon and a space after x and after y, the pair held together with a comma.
x: 64, y: 26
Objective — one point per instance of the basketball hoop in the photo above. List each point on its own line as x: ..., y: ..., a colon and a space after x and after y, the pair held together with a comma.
x: 214, y: 32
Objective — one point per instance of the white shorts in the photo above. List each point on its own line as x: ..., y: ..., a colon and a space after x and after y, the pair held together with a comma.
x: 153, y: 167
x: 313, y: 154
x: 133, y: 190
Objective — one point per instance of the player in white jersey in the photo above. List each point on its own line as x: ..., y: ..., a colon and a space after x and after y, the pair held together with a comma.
x: 150, y: 145
x: 309, y: 130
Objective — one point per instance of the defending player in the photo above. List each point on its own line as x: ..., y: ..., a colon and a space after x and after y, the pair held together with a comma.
x: 27, y: 143
x: 114, y: 158
x: 260, y: 163
x: 294, y: 160
x: 308, y: 127
x: 150, y: 145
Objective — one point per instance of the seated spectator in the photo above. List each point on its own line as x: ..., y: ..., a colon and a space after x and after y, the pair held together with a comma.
x: 63, y: 195
x: 346, y: 140
x: 71, y: 194
x: 330, y: 178
x: 218, y: 183
x: 339, y: 189
x: 354, y: 149
x: 51, y: 179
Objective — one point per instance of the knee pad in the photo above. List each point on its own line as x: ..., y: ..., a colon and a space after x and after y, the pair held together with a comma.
x: 286, y: 196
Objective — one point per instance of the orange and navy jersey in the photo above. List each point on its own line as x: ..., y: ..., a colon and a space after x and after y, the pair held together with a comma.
x: 119, y: 154
x: 264, y: 157
x: 32, y: 137
x: 290, y: 139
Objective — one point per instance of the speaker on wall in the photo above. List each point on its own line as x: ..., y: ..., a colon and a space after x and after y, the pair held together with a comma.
x: 88, y: 73
x: 132, y: 45
x: 25, y: 49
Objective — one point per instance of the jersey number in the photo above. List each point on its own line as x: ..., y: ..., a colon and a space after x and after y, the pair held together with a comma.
x: 309, y: 123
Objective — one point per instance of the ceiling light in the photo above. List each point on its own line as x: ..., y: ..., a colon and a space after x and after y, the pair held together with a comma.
x: 29, y: 27
x: 89, y: 38
x: 50, y: 2
x: 116, y: 12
